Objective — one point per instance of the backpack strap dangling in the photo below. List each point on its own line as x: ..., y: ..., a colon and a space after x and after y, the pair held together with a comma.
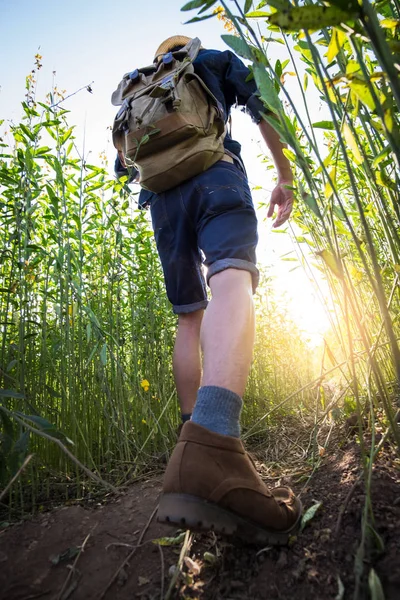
x: 192, y: 48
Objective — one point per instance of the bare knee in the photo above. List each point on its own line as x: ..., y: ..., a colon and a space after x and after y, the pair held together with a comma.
x: 231, y: 280
x: 190, y: 321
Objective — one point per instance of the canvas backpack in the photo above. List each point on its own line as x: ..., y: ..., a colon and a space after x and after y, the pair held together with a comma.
x: 170, y: 127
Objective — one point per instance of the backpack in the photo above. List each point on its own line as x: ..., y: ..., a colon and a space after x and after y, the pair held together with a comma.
x: 170, y: 127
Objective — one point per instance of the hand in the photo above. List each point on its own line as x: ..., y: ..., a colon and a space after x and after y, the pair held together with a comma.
x: 282, y: 197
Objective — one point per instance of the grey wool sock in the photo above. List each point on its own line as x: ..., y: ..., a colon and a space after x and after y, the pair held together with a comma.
x: 218, y: 409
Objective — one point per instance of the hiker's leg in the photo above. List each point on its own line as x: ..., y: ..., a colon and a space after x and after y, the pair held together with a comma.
x: 186, y: 289
x: 228, y: 237
x: 227, y: 333
x: 210, y: 483
x: 187, y: 360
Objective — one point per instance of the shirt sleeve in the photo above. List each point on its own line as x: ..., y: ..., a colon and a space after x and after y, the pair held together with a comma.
x: 244, y: 88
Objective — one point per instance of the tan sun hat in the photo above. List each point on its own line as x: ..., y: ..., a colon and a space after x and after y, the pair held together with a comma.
x: 171, y: 42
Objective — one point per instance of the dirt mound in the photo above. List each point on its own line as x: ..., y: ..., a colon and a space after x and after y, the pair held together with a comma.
x: 76, y: 552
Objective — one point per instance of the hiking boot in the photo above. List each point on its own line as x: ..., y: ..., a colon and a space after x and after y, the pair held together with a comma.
x: 211, y: 484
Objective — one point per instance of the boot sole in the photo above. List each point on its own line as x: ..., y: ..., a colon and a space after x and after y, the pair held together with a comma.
x: 197, y: 514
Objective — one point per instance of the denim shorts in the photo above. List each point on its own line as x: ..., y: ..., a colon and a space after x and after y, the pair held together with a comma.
x: 208, y: 220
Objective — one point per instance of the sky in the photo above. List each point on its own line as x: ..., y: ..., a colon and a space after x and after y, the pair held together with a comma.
x: 95, y: 42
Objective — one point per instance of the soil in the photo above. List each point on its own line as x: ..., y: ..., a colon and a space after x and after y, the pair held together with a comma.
x: 77, y: 552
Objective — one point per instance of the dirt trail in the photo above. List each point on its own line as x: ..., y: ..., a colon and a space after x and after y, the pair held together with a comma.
x: 320, y: 558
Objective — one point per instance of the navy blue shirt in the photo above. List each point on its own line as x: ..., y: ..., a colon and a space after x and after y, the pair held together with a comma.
x: 228, y: 78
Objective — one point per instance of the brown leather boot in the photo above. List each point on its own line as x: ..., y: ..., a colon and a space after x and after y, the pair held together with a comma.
x: 211, y: 484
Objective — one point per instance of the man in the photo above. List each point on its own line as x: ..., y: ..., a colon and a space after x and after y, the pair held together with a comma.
x: 210, y: 482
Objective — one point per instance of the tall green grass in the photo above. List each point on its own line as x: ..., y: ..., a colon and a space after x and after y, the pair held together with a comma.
x: 87, y: 332
x: 346, y: 164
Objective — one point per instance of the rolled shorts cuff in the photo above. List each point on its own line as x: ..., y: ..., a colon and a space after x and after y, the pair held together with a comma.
x: 234, y: 263
x: 182, y: 309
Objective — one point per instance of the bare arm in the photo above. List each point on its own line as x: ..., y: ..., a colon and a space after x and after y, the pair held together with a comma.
x: 281, y: 196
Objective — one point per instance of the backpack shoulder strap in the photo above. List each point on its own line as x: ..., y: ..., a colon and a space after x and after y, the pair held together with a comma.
x: 192, y: 48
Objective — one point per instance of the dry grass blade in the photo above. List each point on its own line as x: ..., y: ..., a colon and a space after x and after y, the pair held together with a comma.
x: 59, y: 443
x: 62, y: 595
x: 130, y: 555
x: 162, y: 572
x: 185, y: 549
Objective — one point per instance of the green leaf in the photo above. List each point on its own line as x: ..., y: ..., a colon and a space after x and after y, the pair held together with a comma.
x: 324, y: 125
x: 388, y: 120
x: 5, y: 178
x: 258, y: 14
x: 170, y: 541
x: 103, y: 355
x: 197, y: 4
x: 206, y: 6
x: 247, y: 5
x: 278, y: 68
x: 210, y: 558
x: 27, y: 132
x: 58, y: 169
x: 41, y: 151
x: 11, y: 394
x: 338, y: 212
x: 40, y: 422
x: 66, y: 136
x: 266, y: 88
x: 338, y: 38
x: 352, y: 143
x: 45, y: 426
x: 310, y: 514
x: 362, y: 91
x: 197, y: 19
x: 310, y: 17
x: 376, y: 539
x: 278, y: 128
x: 381, y: 156
x: 68, y: 554
x: 390, y: 23
x: 331, y: 262
x: 310, y: 201
x: 375, y: 586
x: 238, y: 45
x: 289, y: 154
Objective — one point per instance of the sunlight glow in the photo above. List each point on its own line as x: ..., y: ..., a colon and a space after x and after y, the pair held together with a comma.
x: 275, y: 251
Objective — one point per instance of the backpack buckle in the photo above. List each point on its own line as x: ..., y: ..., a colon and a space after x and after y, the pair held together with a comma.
x: 167, y: 58
x: 133, y: 75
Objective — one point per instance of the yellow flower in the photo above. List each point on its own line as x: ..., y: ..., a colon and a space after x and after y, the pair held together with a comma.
x: 221, y: 16
x: 144, y: 421
x: 145, y: 385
